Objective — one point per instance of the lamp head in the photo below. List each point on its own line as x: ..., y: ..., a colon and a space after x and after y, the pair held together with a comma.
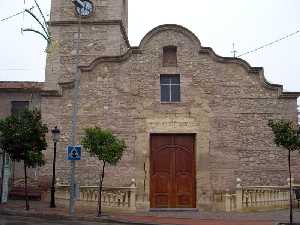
x: 55, y: 134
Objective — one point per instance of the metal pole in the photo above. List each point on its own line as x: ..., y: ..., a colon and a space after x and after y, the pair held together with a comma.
x: 74, y: 122
x: 2, y: 176
x: 52, y: 202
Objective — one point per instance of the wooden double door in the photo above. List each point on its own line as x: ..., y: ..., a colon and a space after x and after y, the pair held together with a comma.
x: 172, y: 171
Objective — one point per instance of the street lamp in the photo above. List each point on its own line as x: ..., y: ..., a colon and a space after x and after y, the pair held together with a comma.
x: 55, y: 137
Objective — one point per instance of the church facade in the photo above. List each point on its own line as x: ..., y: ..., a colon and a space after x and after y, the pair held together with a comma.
x: 193, y: 121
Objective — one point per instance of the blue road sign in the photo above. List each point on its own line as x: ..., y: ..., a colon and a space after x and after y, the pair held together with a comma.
x: 74, y: 152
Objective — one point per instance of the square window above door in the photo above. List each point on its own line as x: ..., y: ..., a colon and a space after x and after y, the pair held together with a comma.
x: 170, y: 88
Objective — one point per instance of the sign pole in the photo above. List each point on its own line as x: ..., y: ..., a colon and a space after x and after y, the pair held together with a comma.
x: 74, y: 122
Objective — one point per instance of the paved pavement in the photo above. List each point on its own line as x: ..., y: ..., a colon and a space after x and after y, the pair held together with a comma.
x: 13, y: 213
x: 19, y: 220
x: 213, y: 218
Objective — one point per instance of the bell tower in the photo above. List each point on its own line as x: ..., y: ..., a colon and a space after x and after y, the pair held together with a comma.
x: 103, y: 32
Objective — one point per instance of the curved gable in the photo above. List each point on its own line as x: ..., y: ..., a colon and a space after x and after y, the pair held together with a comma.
x: 171, y: 27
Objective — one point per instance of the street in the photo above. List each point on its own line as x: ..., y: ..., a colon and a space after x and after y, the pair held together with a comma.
x: 18, y: 220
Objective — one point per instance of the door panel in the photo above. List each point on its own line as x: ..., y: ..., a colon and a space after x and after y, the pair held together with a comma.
x: 172, y: 181
x: 161, y: 177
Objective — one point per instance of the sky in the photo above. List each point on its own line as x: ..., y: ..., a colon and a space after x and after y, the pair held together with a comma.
x: 217, y: 23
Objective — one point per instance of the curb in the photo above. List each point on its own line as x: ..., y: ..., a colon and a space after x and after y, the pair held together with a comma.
x: 104, y: 219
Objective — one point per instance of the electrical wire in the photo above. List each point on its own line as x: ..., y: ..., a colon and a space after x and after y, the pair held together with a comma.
x: 270, y: 43
x: 7, y: 18
x: 20, y: 69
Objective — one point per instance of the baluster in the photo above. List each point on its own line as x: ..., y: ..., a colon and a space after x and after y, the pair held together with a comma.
x: 95, y: 194
x: 115, y: 200
x: 269, y: 197
x: 264, y: 197
x: 258, y: 196
x: 272, y: 199
x: 104, y: 198
x: 81, y: 194
x: 109, y: 199
x: 67, y: 192
x: 253, y: 198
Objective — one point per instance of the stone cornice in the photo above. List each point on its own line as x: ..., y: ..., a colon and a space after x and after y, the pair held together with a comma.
x: 50, y: 93
x: 285, y: 94
x: 170, y: 27
x: 26, y: 87
x: 104, y: 22
x: 20, y: 86
x: 121, y: 58
x: 254, y: 70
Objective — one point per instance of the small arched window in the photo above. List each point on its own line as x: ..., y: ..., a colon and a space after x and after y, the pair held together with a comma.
x: 170, y: 56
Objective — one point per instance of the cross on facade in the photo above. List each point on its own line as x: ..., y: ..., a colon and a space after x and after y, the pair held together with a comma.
x: 233, y: 50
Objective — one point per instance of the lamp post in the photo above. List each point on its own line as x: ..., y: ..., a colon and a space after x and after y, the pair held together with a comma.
x: 55, y: 138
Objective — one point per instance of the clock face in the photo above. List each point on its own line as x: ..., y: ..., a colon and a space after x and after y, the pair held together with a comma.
x: 86, y: 10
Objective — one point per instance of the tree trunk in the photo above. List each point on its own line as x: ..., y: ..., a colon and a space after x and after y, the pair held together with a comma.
x: 2, y: 176
x: 100, y: 191
x: 291, y: 200
x: 26, y: 191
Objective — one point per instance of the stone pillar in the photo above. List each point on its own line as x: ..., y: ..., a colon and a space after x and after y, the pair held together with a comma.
x: 227, y: 202
x: 239, y: 194
x: 288, y: 181
x: 132, y: 199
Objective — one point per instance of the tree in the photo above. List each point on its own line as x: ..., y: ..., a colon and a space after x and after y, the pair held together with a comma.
x: 106, y: 147
x: 286, y: 136
x: 23, y: 138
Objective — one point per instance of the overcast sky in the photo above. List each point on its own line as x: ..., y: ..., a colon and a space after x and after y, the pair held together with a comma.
x: 217, y: 23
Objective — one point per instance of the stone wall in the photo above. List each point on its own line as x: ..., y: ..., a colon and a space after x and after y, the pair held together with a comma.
x: 224, y: 101
x: 103, y: 10
x: 104, y: 33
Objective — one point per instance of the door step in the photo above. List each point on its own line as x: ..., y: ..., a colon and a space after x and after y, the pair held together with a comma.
x: 174, y: 210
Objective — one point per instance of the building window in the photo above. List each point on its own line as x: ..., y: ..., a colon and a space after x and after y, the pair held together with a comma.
x: 170, y: 88
x: 170, y: 56
x: 18, y: 106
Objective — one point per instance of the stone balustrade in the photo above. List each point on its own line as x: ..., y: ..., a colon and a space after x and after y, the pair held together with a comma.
x: 253, y: 197
x: 262, y: 197
x: 121, y: 198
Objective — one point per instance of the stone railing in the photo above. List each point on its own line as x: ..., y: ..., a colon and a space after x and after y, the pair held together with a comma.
x: 253, y: 198
x: 121, y: 198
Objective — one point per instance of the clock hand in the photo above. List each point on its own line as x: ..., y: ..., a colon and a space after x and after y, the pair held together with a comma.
x: 84, y: 7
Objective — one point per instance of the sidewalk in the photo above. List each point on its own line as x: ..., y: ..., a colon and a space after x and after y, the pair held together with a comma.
x: 41, y: 209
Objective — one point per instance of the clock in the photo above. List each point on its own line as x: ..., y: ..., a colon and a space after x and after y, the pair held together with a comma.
x: 84, y: 9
